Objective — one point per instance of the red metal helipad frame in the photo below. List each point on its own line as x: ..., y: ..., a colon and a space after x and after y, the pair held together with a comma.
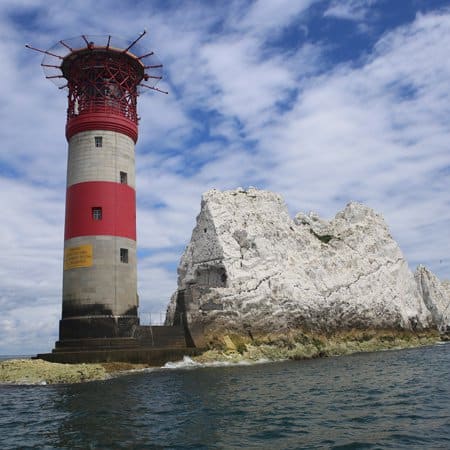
x: 103, y: 76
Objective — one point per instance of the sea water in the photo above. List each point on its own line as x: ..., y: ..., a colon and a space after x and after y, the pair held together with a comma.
x: 383, y: 400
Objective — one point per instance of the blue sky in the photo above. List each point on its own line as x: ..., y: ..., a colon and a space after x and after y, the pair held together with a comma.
x: 323, y: 102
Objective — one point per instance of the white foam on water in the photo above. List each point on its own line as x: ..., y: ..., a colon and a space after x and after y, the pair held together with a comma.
x: 189, y: 363
x: 125, y: 373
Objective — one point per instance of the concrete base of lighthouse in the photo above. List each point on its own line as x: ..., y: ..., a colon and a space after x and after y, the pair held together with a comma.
x: 97, y: 327
x: 152, y: 345
x: 155, y: 357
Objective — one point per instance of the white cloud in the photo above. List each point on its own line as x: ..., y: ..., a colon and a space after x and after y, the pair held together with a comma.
x: 263, y: 17
x: 354, y: 10
x: 377, y: 133
x: 245, y: 84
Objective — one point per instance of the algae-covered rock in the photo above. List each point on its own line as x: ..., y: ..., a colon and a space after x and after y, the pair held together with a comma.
x: 37, y: 371
x: 273, y: 347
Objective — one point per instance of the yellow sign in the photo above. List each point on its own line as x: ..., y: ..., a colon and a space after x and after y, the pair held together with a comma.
x: 75, y: 257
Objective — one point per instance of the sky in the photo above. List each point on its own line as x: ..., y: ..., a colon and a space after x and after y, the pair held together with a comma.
x: 321, y: 101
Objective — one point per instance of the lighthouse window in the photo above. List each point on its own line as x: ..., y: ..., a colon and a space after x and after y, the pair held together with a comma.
x: 98, y: 141
x: 123, y: 178
x: 97, y: 213
x: 124, y: 255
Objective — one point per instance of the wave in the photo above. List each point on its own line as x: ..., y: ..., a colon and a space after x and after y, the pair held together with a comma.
x: 189, y: 363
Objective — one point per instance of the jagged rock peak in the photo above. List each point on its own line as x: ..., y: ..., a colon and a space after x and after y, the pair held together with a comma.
x: 436, y: 296
x: 251, y: 268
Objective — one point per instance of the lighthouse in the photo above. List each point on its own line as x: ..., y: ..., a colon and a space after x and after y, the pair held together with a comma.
x: 102, y: 76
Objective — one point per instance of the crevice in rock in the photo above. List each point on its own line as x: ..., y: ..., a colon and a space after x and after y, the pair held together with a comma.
x: 329, y: 292
x: 325, y: 238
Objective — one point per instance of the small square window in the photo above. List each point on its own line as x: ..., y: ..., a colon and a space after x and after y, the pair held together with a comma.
x: 98, y: 141
x: 97, y: 213
x: 124, y: 255
x: 123, y: 178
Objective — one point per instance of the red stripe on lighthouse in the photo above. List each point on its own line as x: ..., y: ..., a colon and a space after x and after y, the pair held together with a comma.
x: 98, y: 120
x: 118, y: 204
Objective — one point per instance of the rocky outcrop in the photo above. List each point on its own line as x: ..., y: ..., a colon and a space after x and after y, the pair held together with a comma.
x: 36, y: 371
x: 250, y: 269
x: 436, y: 295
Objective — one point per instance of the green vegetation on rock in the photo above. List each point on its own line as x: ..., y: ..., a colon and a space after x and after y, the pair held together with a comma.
x: 37, y: 371
x: 308, y: 345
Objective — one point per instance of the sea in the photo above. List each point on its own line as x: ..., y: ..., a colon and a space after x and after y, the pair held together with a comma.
x: 397, y: 399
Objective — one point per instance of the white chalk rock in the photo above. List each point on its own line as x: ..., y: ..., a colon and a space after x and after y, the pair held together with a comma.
x: 250, y: 268
x: 436, y: 296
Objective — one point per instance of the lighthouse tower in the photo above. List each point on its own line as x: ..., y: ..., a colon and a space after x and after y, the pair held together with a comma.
x: 102, y: 76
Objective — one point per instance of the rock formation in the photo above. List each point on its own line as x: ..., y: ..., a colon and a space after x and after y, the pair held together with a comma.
x: 436, y: 296
x: 250, y: 269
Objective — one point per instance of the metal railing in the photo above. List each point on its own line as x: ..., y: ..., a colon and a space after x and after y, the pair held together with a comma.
x: 152, y: 318
x: 159, y: 317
